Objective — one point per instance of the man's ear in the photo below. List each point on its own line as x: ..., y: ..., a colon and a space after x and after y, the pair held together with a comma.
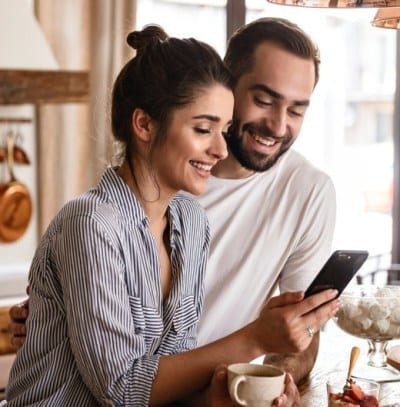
x: 142, y: 125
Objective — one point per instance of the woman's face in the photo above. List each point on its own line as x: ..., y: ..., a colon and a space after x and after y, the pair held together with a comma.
x: 194, y: 142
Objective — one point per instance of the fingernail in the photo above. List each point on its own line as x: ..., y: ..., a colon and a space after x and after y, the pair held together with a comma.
x: 221, y: 374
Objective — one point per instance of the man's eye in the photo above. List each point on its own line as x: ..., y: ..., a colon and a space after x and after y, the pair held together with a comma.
x: 296, y: 113
x: 201, y: 130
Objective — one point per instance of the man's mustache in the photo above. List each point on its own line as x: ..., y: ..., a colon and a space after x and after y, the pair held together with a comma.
x: 263, y: 130
x: 257, y: 129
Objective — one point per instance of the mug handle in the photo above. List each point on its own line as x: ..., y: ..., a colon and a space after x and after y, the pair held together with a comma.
x: 233, y: 389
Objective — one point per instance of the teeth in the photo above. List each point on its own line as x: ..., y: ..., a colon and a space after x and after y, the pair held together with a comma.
x: 201, y: 166
x: 266, y: 142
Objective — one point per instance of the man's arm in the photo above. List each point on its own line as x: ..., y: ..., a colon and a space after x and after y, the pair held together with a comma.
x: 299, y: 365
x: 18, y: 314
x: 310, y: 255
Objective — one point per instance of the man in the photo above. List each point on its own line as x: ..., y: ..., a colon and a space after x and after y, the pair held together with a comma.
x: 271, y: 212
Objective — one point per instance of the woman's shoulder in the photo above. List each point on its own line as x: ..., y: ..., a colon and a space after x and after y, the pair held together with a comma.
x: 85, y: 203
x: 83, y: 212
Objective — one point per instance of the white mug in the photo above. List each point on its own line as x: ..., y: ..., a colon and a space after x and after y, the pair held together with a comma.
x: 255, y: 385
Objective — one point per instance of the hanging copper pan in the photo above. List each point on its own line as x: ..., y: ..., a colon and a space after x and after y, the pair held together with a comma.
x: 15, y: 202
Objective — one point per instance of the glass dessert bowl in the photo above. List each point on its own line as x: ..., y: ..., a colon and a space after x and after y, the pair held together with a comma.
x: 373, y: 313
x: 362, y: 392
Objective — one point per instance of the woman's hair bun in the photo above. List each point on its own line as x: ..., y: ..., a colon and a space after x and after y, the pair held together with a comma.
x: 149, y: 35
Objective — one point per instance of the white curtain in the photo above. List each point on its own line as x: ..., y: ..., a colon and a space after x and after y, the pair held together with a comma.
x: 74, y: 140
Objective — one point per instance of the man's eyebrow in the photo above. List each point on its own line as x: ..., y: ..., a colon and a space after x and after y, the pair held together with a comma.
x: 276, y: 95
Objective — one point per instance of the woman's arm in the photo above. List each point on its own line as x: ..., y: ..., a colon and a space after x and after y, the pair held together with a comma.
x: 188, y: 372
x: 281, y: 327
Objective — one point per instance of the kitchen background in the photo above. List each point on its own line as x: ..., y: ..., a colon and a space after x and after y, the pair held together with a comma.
x: 348, y: 130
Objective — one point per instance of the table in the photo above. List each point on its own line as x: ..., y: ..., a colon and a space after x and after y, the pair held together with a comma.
x: 333, y: 356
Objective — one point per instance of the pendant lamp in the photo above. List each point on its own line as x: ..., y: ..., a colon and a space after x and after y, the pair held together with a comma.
x: 340, y: 3
x: 388, y: 17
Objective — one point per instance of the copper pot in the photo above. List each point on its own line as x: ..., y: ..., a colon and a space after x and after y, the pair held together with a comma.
x: 15, y: 202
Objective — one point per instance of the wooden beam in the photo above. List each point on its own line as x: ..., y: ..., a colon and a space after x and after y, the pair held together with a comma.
x: 38, y: 87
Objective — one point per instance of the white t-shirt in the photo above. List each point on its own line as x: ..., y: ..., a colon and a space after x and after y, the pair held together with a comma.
x: 273, y: 227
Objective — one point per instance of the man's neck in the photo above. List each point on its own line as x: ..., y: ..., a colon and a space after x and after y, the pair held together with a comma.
x: 230, y: 168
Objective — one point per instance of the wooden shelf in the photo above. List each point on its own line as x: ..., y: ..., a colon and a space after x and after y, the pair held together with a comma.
x: 38, y: 87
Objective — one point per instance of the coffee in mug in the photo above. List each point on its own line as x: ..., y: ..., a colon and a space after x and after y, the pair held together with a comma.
x: 255, y: 385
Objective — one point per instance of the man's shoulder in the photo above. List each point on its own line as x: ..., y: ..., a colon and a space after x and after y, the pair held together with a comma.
x: 294, y: 164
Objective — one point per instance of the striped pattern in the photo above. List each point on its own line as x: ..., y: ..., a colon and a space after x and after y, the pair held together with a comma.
x: 97, y: 324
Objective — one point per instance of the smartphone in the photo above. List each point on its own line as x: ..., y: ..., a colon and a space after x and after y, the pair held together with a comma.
x: 337, y: 272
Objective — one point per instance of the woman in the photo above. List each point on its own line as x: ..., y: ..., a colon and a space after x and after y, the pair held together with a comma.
x: 116, y: 283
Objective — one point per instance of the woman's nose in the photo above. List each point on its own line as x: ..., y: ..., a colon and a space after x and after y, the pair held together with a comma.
x: 218, y: 148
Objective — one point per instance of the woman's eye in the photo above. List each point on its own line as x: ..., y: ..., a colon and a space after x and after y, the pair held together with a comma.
x: 262, y: 102
x: 201, y: 130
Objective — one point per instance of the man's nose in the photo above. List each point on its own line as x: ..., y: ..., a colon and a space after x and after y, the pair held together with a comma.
x: 278, y: 122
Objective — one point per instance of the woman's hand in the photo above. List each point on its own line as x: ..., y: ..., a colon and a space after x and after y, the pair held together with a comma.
x: 290, y: 396
x: 218, y: 395
x: 288, y: 321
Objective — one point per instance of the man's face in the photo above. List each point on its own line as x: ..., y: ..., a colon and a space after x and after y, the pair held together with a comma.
x: 270, y: 103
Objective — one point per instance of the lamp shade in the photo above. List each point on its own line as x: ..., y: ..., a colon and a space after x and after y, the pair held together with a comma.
x: 340, y: 3
x: 387, y: 18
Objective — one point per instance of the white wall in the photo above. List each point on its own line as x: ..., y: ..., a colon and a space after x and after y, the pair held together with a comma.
x: 22, y: 42
x: 22, y: 46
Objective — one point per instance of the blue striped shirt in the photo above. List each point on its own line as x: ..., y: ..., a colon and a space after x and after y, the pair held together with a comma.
x: 97, y: 321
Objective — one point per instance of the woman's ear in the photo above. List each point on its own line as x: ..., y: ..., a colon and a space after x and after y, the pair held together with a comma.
x: 142, y: 125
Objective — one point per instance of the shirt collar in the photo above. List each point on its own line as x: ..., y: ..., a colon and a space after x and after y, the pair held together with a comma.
x: 125, y: 201
x: 116, y: 190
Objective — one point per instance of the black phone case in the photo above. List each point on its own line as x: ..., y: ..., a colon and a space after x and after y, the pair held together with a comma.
x: 337, y: 272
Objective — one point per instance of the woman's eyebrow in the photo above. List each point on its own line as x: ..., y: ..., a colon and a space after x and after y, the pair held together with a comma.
x: 210, y: 117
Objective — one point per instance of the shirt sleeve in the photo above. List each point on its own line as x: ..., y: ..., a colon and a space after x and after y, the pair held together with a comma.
x: 110, y: 355
x: 315, y: 244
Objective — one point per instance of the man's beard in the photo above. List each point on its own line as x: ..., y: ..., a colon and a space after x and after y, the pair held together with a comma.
x: 254, y: 160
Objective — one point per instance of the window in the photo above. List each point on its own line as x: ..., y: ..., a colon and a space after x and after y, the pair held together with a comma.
x: 348, y: 128
x: 203, y: 19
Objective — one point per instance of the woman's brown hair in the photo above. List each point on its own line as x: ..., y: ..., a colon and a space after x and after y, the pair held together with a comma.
x: 166, y: 73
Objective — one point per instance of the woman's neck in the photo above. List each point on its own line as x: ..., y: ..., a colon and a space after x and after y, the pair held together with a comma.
x: 150, y: 194
x: 155, y: 205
